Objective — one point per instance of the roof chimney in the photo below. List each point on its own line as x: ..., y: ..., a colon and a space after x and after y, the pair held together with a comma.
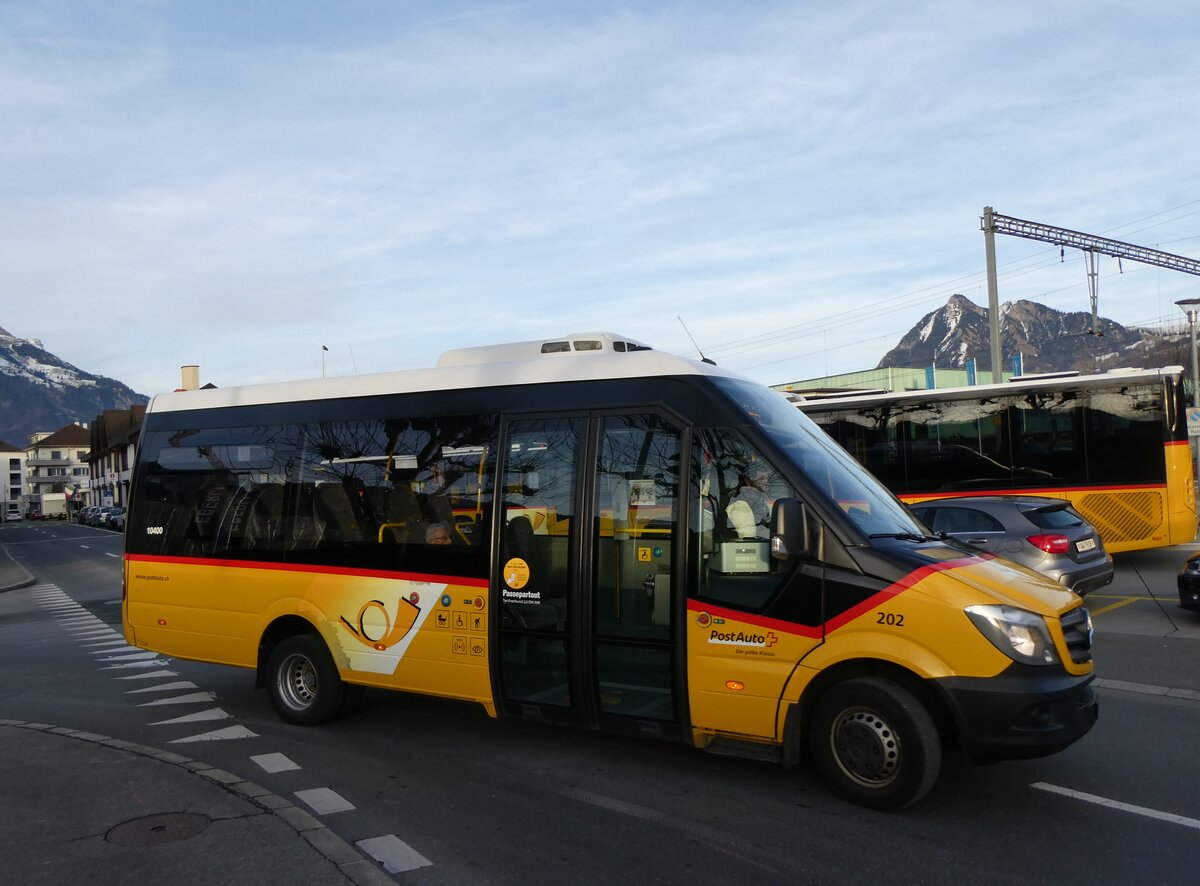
x: 189, y: 377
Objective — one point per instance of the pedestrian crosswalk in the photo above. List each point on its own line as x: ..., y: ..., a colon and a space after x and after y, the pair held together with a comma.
x: 114, y: 657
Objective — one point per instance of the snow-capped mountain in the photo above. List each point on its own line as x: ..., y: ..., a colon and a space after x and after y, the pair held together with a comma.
x: 1048, y: 340
x: 40, y: 392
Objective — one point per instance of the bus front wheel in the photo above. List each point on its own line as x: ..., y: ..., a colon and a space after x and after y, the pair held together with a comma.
x: 303, y: 681
x: 875, y: 744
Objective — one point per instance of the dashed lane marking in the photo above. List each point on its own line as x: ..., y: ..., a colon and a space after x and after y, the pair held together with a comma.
x: 1118, y: 805
x: 275, y: 762
x: 324, y: 801
x: 394, y: 854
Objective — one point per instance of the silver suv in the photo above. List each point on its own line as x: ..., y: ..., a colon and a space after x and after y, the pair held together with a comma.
x: 1044, y: 534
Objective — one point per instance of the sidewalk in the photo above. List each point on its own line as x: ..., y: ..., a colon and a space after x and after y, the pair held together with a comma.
x: 12, y: 574
x: 81, y: 807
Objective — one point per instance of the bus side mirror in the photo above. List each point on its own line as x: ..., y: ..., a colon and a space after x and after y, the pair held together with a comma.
x: 789, y: 529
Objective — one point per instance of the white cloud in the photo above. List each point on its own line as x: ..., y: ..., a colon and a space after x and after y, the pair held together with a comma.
x: 238, y: 186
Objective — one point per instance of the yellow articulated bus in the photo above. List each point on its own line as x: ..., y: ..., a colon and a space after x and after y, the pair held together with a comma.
x: 1115, y: 445
x: 590, y: 532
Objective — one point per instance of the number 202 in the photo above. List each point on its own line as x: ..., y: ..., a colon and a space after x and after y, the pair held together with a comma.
x: 890, y: 618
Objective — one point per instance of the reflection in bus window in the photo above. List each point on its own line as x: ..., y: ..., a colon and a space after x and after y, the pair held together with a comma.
x: 735, y: 489
x: 335, y: 492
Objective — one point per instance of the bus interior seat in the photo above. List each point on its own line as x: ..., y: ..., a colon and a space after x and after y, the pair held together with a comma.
x: 401, y: 514
x: 263, y: 522
x: 338, y: 514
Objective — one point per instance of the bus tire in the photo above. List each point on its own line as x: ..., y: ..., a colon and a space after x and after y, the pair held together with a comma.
x: 875, y: 743
x: 303, y: 681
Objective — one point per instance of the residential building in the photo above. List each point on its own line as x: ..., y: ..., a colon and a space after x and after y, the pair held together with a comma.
x: 12, y: 479
x: 114, y: 439
x: 57, y: 463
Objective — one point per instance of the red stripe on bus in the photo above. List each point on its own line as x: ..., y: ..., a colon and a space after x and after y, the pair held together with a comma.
x: 844, y: 618
x: 1040, y: 491
x: 310, y: 568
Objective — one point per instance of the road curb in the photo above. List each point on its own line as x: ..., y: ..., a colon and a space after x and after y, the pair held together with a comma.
x: 356, y: 867
x: 25, y: 581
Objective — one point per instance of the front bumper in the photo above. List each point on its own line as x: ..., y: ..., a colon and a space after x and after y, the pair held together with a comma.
x: 1189, y: 591
x: 1022, y: 712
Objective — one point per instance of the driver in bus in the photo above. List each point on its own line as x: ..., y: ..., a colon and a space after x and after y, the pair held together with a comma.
x: 750, y: 511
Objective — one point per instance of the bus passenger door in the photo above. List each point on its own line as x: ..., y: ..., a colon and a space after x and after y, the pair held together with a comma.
x: 586, y: 583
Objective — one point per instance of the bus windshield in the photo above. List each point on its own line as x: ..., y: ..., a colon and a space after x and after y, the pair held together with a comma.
x: 869, y: 505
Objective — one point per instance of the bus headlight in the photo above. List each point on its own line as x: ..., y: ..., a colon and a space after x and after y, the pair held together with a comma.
x: 1021, y: 635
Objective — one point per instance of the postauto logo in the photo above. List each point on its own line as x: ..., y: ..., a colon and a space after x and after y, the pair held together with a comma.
x: 723, y: 637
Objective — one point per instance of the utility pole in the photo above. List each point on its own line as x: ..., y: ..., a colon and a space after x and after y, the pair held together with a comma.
x: 1189, y: 305
x: 989, y: 245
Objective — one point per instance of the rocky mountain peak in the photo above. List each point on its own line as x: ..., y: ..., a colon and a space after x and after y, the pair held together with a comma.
x: 1048, y: 340
x: 41, y: 392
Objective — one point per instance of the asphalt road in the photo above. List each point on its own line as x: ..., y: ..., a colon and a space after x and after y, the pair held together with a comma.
x: 485, y: 801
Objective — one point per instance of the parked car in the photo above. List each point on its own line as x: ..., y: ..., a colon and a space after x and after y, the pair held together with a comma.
x: 116, y: 519
x: 99, y: 516
x: 1189, y: 583
x: 1044, y: 534
x: 12, y: 516
x: 85, y: 514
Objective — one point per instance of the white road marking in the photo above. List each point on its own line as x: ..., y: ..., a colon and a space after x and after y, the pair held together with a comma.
x: 275, y: 762
x: 198, y: 717
x: 190, y: 698
x: 324, y: 801
x: 86, y: 547
x: 139, y: 656
x: 178, y: 684
x: 218, y: 735
x: 394, y: 854
x: 111, y: 555
x: 1118, y: 805
x: 152, y: 675
x: 154, y: 663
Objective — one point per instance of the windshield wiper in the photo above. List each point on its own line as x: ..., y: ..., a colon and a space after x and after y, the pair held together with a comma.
x: 906, y: 536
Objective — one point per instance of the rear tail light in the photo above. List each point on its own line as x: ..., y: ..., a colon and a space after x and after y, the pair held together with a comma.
x: 1051, y: 544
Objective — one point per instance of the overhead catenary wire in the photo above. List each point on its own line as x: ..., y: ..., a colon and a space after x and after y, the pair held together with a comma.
x: 932, y: 295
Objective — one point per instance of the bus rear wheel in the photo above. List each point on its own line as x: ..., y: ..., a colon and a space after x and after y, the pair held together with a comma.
x: 875, y: 744
x: 303, y: 681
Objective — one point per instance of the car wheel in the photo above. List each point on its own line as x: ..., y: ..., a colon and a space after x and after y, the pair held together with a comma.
x: 875, y: 744
x: 303, y: 681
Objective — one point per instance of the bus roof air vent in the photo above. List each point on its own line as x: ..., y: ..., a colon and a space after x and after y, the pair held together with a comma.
x: 581, y: 343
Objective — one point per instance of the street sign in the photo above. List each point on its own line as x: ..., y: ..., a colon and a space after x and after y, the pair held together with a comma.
x: 1193, y: 421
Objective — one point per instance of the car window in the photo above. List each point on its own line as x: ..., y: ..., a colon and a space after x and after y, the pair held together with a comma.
x: 964, y: 520
x: 1056, y: 518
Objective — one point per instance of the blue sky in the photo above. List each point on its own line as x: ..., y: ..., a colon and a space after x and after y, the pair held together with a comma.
x: 238, y: 184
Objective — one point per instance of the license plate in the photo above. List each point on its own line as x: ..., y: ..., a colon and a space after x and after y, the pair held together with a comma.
x: 1086, y: 545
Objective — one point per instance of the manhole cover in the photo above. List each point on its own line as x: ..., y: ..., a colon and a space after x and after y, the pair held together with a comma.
x: 150, y: 830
